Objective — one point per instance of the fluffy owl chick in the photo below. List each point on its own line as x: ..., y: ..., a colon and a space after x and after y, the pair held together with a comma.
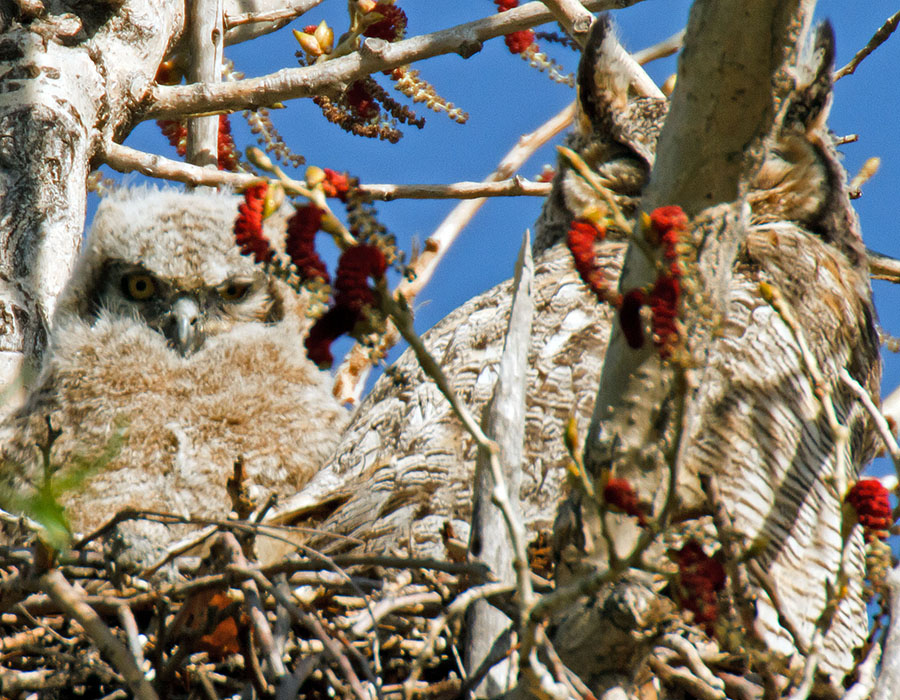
x: 167, y: 334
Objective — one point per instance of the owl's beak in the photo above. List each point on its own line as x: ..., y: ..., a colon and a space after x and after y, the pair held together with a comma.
x: 183, y: 329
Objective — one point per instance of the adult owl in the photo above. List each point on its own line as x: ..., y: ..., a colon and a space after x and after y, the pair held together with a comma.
x: 170, y: 338
x: 404, y: 467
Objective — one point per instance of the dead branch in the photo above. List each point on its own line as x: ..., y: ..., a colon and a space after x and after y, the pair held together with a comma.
x: 69, y: 600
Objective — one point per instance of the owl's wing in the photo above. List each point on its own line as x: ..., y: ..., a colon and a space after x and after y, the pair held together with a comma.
x: 405, y: 465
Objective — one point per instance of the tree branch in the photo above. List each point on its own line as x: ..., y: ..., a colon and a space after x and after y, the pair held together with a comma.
x: 246, y: 20
x: 205, y: 44
x: 374, y: 55
x: 495, y: 502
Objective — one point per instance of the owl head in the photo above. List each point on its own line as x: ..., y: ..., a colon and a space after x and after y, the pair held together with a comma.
x: 615, y: 135
x: 168, y: 259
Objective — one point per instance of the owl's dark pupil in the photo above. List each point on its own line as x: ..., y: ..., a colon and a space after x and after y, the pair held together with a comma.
x: 140, y: 286
x: 231, y: 291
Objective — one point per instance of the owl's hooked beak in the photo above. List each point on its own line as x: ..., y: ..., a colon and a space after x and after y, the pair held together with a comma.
x: 183, y: 328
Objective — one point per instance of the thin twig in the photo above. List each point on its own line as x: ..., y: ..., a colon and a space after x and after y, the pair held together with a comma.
x: 435, y: 627
x: 692, y: 658
x: 883, y: 267
x: 881, y: 424
x: 351, y: 377
x: 125, y: 159
x: 878, y: 38
x: 283, y: 15
x: 696, y: 686
x: 310, y: 622
x: 513, y: 187
x: 664, y: 48
x: 254, y: 605
x: 251, y: 25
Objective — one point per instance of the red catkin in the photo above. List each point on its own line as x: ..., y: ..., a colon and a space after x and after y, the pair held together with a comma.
x: 355, y: 266
x: 361, y: 101
x: 352, y: 296
x: 226, y: 152
x: 580, y: 239
x: 620, y: 495
x: 335, y: 322
x: 664, y: 299
x: 336, y: 184
x: 392, y: 27
x: 700, y: 578
x: 870, y: 500
x: 176, y: 134
x: 248, y: 233
x: 666, y: 224
x: 518, y: 42
x: 300, y: 243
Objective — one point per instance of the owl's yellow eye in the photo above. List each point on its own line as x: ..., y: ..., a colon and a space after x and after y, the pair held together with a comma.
x: 138, y: 286
x: 233, y: 291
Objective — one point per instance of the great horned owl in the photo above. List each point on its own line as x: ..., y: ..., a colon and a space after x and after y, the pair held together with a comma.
x: 405, y: 465
x: 756, y: 429
x: 167, y: 334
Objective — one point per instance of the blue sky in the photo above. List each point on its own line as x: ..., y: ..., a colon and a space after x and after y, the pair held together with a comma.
x: 506, y: 98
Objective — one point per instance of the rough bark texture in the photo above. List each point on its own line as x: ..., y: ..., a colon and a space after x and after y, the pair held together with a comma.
x: 67, y: 82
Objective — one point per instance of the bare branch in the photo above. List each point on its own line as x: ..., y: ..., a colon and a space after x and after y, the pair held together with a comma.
x: 664, y: 48
x: 205, y: 43
x: 574, y: 18
x: 125, y: 159
x: 881, y: 424
x: 504, y: 550
x: 513, y: 187
x: 883, y: 267
x: 245, y: 20
x: 878, y: 38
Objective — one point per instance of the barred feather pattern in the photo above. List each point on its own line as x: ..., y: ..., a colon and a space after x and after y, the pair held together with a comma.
x: 405, y: 464
x: 763, y: 434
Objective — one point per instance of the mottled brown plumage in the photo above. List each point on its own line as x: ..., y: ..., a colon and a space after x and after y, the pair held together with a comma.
x: 755, y: 428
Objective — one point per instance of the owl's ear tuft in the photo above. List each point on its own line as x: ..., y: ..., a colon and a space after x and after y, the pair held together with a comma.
x: 602, y: 75
x: 811, y: 100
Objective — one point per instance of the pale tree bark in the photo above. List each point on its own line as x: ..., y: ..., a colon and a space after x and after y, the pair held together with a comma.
x: 70, y: 83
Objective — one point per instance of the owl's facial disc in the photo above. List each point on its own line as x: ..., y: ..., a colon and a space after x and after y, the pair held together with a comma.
x: 186, y: 313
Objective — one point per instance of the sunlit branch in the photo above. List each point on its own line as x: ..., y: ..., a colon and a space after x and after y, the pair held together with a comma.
x: 374, y: 55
